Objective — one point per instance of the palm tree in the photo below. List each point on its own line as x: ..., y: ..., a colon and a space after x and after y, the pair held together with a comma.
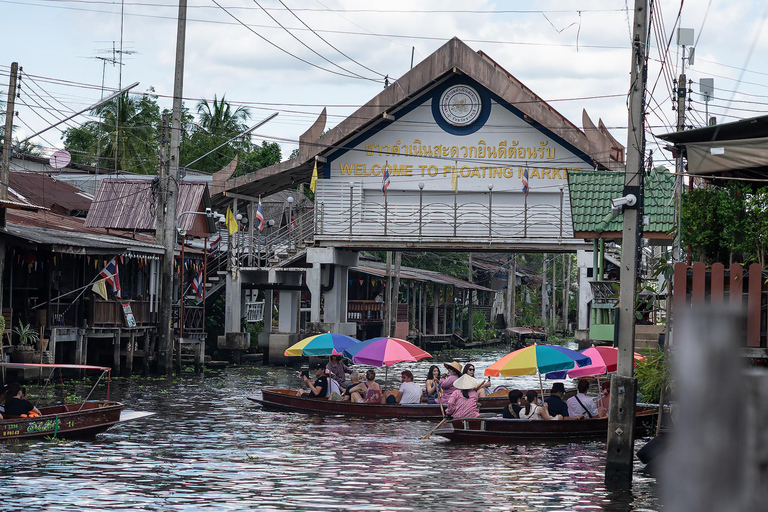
x: 218, y: 118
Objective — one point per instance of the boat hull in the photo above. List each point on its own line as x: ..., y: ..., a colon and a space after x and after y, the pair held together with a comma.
x: 66, y: 421
x: 286, y: 399
x: 502, y: 430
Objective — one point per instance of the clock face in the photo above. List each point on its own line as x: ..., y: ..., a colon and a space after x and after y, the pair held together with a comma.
x: 460, y: 105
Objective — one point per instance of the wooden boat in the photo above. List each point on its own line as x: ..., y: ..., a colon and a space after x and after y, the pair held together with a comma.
x: 286, y: 400
x: 502, y: 430
x: 82, y: 419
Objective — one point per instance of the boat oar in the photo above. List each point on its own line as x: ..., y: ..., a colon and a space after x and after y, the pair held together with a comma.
x: 440, y: 401
x: 437, y: 427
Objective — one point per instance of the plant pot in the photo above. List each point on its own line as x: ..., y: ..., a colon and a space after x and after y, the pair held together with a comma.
x: 25, y: 356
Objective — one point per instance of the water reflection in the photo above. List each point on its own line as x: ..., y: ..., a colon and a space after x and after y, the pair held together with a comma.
x: 209, y: 448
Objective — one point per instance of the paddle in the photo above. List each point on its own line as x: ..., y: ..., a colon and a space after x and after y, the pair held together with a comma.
x: 440, y: 398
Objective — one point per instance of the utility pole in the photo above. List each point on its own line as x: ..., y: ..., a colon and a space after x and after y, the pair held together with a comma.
x: 5, y: 170
x: 165, y: 357
x: 621, y: 420
x: 682, y: 89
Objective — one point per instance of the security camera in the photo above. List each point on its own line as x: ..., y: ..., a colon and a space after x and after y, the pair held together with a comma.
x: 617, y: 205
x: 208, y: 213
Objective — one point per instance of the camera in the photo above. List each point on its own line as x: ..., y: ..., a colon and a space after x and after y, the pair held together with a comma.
x: 304, y: 373
x: 208, y: 212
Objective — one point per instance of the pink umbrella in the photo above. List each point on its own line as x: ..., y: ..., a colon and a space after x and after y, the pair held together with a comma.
x: 384, y: 352
x: 604, y: 360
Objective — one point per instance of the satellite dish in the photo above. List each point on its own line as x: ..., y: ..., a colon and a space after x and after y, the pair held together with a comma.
x: 60, y: 159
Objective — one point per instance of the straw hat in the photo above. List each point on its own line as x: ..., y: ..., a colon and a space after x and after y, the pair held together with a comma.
x: 456, y: 366
x: 466, y: 382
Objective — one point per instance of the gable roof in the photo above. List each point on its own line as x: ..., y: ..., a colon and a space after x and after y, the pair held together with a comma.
x: 43, y: 190
x: 130, y: 204
x: 453, y: 57
x: 591, y: 193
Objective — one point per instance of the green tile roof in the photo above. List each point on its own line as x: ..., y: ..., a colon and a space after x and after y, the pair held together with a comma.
x: 591, y: 193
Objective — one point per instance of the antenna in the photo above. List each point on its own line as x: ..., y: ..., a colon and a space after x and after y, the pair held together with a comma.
x: 685, y: 38
x: 707, y: 90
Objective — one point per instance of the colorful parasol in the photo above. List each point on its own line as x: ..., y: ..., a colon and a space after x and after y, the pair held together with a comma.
x: 604, y: 360
x: 328, y: 344
x: 536, y: 359
x: 385, y: 352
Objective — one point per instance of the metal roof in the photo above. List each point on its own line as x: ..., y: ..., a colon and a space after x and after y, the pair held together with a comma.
x: 129, y: 204
x: 754, y: 127
x: 43, y: 190
x: 375, y: 268
x: 591, y: 193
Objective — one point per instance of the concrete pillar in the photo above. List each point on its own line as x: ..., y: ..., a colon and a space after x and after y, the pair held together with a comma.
x: 335, y: 299
x: 314, y: 275
x: 233, y: 303
x: 288, y: 311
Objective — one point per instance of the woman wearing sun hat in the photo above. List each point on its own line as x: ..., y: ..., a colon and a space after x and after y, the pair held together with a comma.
x: 446, y: 383
x: 463, y: 402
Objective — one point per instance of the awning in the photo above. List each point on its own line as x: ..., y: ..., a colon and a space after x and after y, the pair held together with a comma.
x: 414, y: 274
x: 733, y: 155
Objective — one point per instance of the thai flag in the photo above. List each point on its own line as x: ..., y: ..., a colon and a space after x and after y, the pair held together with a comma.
x: 110, y: 275
x: 197, y: 284
x: 259, y: 217
x: 214, y: 248
x: 385, y: 179
x: 525, y: 182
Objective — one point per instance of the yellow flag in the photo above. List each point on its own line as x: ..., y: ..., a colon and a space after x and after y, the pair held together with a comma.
x: 314, y: 178
x: 100, y: 288
x: 231, y: 222
x: 455, y: 180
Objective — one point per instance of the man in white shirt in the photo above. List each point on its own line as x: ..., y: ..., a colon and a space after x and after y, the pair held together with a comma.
x: 410, y: 392
x: 580, y: 406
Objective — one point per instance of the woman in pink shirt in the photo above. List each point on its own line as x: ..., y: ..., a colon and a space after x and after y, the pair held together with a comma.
x: 446, y: 383
x: 463, y: 402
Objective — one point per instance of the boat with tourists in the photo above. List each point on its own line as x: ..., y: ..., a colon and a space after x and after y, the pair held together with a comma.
x: 81, y: 419
x: 288, y: 400
x: 492, y: 429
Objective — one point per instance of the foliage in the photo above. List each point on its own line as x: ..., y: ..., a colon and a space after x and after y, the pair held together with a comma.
x: 654, y: 374
x: 27, y: 335
x: 480, y: 332
x: 254, y: 329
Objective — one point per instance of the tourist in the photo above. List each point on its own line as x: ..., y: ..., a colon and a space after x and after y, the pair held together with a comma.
x: 446, y: 383
x: 533, y: 411
x: 512, y: 410
x: 318, y: 389
x: 555, y: 403
x: 463, y: 401
x: 409, y: 392
x: 604, y: 402
x: 580, y: 405
x: 372, y: 394
x: 338, y: 370
x: 353, y: 384
x: 433, y: 384
x: 469, y: 369
x: 18, y: 406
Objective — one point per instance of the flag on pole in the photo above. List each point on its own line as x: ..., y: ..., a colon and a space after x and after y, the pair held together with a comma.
x: 455, y: 179
x: 231, y: 222
x: 260, y: 213
x: 385, y: 179
x: 100, y: 288
x: 314, y: 179
x: 197, y: 284
x: 525, y: 182
x: 215, y: 245
x: 110, y: 275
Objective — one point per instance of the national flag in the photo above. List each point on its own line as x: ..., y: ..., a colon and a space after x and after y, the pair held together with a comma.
x: 109, y: 273
x: 231, y: 222
x: 260, y: 214
x: 385, y: 179
x: 215, y: 245
x: 525, y: 182
x: 314, y: 179
x: 197, y: 284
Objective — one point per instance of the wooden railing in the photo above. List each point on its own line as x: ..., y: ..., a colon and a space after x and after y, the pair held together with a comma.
x: 109, y: 313
x: 365, y: 311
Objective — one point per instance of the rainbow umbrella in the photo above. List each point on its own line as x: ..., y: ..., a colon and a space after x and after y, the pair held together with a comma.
x: 536, y: 359
x: 328, y: 344
x: 604, y: 360
x: 385, y: 352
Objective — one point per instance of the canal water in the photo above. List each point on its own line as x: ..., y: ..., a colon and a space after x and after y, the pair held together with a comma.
x: 209, y: 448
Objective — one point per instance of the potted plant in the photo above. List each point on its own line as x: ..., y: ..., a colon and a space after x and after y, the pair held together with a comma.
x: 24, y: 352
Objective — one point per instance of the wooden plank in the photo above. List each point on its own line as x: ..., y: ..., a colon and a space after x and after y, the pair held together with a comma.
x: 699, y: 285
x: 753, y: 304
x: 717, y: 284
x: 680, y: 287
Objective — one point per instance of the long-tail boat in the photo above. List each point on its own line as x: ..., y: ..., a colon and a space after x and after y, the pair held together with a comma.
x: 86, y: 418
x: 501, y: 430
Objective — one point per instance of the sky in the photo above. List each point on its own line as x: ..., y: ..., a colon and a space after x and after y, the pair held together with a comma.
x: 575, y: 55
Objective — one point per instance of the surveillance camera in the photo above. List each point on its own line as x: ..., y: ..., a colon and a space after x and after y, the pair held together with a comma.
x: 208, y: 213
x: 617, y: 205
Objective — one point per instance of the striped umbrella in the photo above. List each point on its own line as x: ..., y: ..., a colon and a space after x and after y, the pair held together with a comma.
x: 327, y: 344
